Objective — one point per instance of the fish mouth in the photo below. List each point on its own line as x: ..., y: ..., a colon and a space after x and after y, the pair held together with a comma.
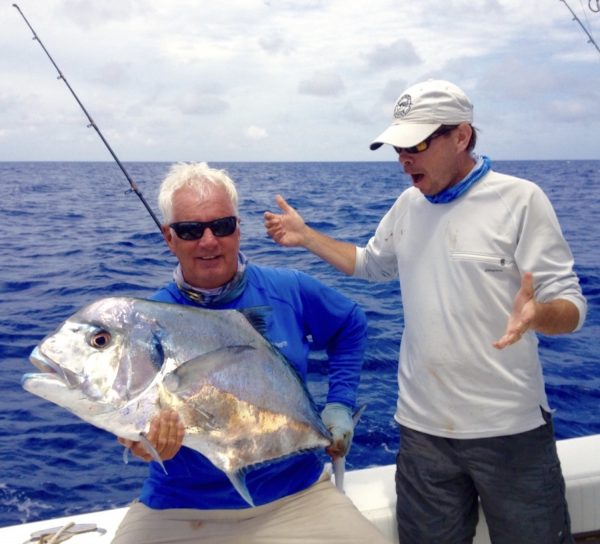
x: 49, y: 367
x: 42, y: 363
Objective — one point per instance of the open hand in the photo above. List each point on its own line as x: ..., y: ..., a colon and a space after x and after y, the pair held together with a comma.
x: 522, y: 316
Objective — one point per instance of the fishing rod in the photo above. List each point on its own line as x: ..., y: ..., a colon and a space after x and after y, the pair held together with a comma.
x: 92, y: 124
x: 575, y: 18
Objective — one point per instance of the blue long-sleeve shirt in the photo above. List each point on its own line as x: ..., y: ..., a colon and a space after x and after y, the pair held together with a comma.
x: 305, y: 315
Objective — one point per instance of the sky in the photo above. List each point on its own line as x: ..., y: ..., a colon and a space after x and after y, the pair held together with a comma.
x: 291, y: 80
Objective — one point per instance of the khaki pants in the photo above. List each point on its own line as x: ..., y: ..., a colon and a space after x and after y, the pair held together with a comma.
x: 317, y: 515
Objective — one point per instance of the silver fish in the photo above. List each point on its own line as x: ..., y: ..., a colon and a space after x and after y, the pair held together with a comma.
x: 117, y: 362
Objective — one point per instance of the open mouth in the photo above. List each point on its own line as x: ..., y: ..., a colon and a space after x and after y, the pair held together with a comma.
x: 42, y: 363
x: 48, y: 366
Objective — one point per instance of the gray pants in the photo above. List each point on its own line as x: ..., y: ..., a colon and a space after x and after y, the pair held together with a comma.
x: 517, y: 478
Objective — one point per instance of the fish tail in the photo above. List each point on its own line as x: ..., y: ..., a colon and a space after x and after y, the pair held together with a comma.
x: 339, y: 469
x: 339, y: 463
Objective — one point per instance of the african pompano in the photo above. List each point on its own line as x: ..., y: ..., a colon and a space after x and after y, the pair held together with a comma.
x: 118, y: 361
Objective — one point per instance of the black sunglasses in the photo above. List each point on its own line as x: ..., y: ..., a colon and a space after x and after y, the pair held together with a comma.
x: 193, y: 230
x: 424, y: 145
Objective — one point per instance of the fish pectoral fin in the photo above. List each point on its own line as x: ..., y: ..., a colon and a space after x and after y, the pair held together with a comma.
x: 188, y: 376
x: 238, y: 480
x: 150, y: 449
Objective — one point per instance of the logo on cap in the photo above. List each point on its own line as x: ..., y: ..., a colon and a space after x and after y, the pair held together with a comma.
x: 403, y: 106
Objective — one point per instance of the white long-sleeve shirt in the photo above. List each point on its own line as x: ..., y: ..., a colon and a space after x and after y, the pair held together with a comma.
x: 460, y: 266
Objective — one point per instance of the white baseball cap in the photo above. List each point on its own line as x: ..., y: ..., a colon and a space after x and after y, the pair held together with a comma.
x: 422, y: 109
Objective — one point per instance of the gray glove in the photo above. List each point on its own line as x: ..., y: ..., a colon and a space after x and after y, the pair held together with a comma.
x: 337, y: 418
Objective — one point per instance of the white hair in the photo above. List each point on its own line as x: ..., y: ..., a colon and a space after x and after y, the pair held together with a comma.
x: 198, y: 176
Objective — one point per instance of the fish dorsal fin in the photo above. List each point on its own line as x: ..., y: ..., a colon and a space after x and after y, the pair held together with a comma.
x: 238, y: 480
x: 358, y: 413
x: 257, y: 316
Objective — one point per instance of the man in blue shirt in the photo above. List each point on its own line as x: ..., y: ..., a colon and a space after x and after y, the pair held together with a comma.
x: 295, y: 500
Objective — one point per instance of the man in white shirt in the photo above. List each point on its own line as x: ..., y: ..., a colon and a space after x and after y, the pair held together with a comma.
x: 480, y: 256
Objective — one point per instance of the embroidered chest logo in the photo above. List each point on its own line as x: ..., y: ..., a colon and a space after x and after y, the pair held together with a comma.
x: 403, y: 106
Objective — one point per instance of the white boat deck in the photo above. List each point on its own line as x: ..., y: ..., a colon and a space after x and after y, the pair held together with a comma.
x: 373, y: 492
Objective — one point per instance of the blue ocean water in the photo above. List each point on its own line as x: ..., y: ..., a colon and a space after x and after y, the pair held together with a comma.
x: 71, y: 233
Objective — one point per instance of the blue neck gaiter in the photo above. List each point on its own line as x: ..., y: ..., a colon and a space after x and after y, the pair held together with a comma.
x: 451, y: 193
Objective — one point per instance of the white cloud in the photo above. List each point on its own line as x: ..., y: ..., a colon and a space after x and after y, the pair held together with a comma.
x: 256, y: 133
x: 176, y: 80
x: 275, y: 43
x: 322, y: 83
x: 201, y: 104
x: 396, y: 54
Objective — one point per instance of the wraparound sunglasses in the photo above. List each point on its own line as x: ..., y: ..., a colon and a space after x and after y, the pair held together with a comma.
x: 193, y: 230
x: 424, y: 145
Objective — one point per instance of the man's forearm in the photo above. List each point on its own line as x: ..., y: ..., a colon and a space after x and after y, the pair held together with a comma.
x: 341, y: 255
x: 559, y: 316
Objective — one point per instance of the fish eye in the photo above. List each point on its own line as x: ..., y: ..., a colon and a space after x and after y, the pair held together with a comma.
x: 100, y: 339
